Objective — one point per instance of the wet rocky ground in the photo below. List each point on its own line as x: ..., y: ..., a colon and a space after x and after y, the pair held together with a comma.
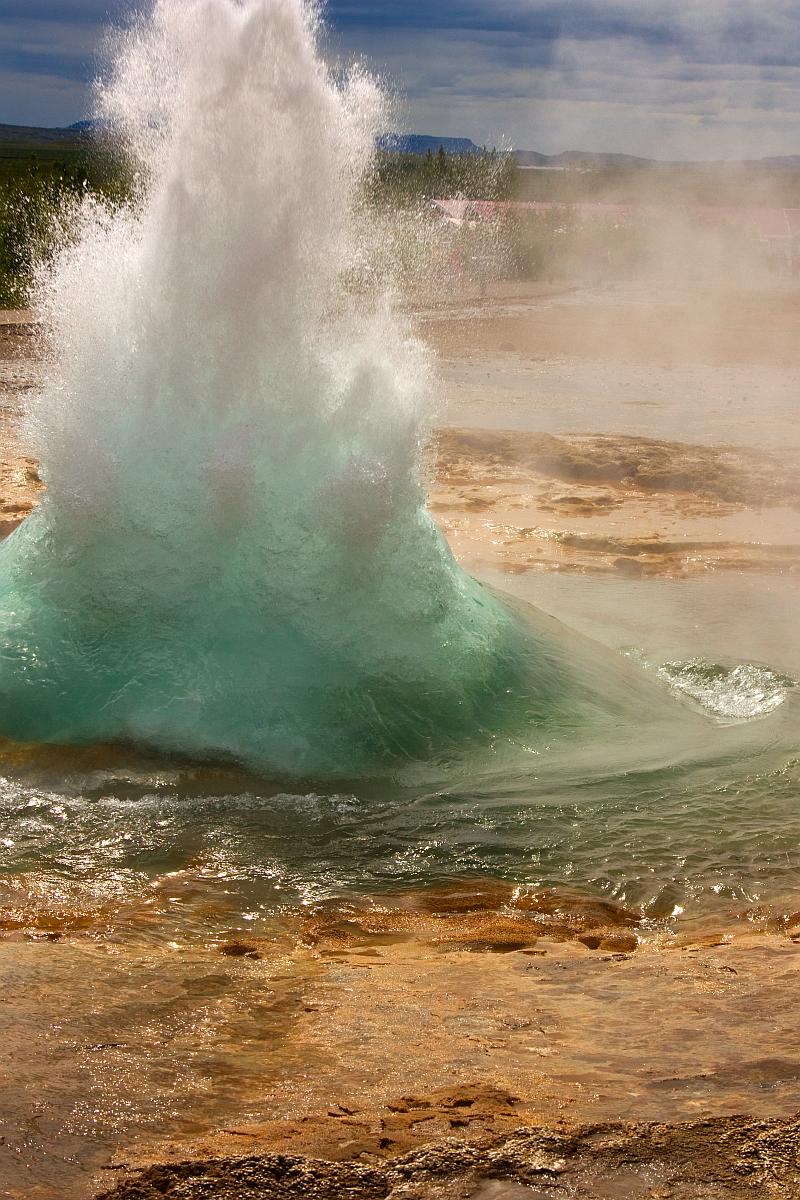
x: 705, y: 1160
x: 471, y: 1018
x: 614, y: 503
x: 621, y: 431
x: 447, y: 1060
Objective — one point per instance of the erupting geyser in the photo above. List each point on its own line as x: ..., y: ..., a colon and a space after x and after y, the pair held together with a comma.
x: 234, y: 555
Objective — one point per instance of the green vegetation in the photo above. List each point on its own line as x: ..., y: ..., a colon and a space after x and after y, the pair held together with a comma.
x: 402, y: 180
x: 61, y: 153
x: 45, y: 174
x: 40, y: 188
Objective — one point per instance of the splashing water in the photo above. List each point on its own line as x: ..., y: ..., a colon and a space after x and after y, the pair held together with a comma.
x: 741, y: 693
x: 234, y: 554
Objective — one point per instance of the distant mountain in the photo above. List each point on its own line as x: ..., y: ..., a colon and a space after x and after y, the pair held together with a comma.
x: 17, y: 140
x: 89, y: 126
x: 591, y: 161
x: 29, y: 135
x: 421, y: 143
x: 791, y: 161
x: 587, y: 159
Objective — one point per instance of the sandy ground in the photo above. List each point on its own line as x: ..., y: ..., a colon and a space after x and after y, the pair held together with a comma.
x: 474, y: 1043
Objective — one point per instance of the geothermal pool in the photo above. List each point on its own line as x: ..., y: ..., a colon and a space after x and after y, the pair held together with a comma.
x: 713, y: 832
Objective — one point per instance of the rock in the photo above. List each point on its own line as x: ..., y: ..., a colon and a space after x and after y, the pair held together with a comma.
x: 239, y: 950
x: 731, y: 1158
x: 620, y: 943
x: 612, y: 940
x: 702, y: 941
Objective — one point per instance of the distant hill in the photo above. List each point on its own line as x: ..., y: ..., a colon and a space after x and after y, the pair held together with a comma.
x: 87, y: 126
x: 421, y: 143
x: 33, y: 135
x: 790, y: 161
x: 532, y: 158
x: 48, y: 145
x: 590, y: 160
x: 579, y: 158
x: 19, y: 140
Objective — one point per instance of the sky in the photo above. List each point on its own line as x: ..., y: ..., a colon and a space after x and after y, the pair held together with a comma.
x: 696, y: 79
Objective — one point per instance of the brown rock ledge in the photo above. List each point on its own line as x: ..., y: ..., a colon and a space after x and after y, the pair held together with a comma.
x: 635, y: 506
x: 704, y: 1160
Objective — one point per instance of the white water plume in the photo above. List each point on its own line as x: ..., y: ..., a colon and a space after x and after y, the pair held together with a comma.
x: 234, y: 555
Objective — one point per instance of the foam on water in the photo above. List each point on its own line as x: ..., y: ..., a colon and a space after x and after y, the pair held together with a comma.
x: 741, y: 693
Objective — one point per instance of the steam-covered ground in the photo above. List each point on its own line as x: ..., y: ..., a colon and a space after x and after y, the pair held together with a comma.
x: 19, y: 371
x: 633, y: 465
x: 583, y: 430
x: 611, y: 432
